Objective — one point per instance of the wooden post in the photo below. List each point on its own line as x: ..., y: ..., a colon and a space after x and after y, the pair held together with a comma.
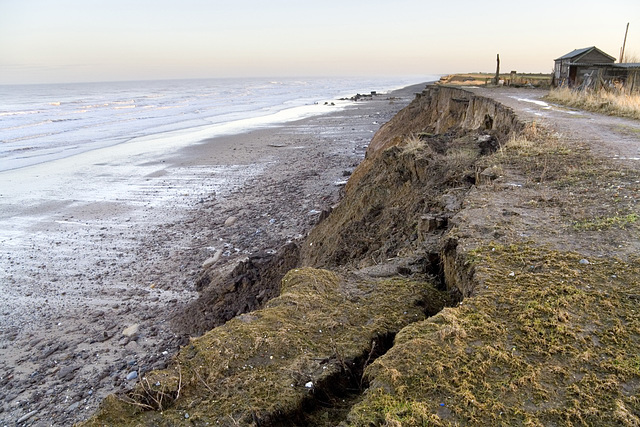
x: 496, y: 80
x: 624, y: 43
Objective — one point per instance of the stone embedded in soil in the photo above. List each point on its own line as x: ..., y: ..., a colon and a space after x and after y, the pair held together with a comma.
x: 230, y: 221
x: 132, y: 346
x: 67, y: 372
x: 26, y: 417
x: 131, y: 331
x: 210, y: 261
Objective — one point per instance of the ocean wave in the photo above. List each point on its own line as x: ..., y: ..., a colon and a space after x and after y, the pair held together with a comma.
x: 85, y: 116
x: 64, y: 120
x: 19, y: 113
x: 26, y: 137
x: 26, y: 126
x: 95, y: 106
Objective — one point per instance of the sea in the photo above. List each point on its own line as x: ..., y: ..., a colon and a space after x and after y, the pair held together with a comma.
x: 42, y: 123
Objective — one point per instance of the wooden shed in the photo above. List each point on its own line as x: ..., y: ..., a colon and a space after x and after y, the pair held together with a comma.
x: 626, y: 74
x: 570, y: 69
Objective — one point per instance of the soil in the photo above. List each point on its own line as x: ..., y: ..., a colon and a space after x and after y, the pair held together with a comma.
x: 595, y: 181
x: 94, y: 293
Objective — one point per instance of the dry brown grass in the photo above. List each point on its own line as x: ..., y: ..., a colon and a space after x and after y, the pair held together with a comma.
x: 414, y: 144
x: 474, y: 79
x: 614, y: 102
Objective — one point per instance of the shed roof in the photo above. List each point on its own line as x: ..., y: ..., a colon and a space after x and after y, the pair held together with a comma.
x: 630, y: 65
x: 580, y: 52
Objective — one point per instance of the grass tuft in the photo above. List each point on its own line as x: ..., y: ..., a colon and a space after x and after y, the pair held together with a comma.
x: 615, y: 103
x: 606, y: 222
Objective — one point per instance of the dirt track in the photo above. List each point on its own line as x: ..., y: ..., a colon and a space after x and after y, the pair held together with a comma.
x: 607, y: 136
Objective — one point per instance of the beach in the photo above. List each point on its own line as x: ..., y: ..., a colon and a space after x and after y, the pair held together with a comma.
x: 97, y: 263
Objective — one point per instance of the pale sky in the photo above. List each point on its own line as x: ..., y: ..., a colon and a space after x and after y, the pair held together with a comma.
x: 44, y: 41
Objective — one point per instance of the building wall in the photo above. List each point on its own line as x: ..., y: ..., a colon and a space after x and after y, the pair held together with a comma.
x: 561, y: 72
x: 594, y: 57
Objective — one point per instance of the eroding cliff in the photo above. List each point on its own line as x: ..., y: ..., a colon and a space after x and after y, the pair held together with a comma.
x: 417, y: 172
x: 438, y: 291
x: 385, y: 258
x: 438, y: 110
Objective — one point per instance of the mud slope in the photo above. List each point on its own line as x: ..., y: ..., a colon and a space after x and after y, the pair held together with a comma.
x: 418, y: 169
x: 465, y: 277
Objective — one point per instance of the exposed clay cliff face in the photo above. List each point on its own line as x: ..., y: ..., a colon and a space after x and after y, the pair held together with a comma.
x: 418, y: 169
x: 438, y: 110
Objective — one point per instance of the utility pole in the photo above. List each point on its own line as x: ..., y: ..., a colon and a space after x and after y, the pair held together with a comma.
x: 624, y: 44
x: 496, y: 80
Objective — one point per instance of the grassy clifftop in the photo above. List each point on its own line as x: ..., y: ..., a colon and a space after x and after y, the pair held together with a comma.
x: 478, y: 271
x: 549, y: 334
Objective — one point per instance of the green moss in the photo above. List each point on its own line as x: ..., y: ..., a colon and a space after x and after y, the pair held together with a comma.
x: 259, y: 366
x: 547, y: 341
x: 603, y: 223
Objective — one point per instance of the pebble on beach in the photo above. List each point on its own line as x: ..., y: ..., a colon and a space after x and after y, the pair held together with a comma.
x: 131, y: 331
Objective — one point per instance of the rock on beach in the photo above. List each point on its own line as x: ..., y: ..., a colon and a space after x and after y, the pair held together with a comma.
x: 131, y: 331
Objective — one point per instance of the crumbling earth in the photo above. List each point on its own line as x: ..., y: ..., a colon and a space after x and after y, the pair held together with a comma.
x: 532, y: 235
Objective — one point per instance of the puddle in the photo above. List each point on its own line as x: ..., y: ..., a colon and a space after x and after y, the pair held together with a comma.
x: 543, y: 104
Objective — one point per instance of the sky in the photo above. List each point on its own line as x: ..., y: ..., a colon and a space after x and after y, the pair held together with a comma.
x: 49, y: 41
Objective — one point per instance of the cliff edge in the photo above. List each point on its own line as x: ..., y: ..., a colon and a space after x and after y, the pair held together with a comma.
x: 478, y: 270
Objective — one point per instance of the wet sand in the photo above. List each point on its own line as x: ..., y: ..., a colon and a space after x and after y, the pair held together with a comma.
x: 94, y: 264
